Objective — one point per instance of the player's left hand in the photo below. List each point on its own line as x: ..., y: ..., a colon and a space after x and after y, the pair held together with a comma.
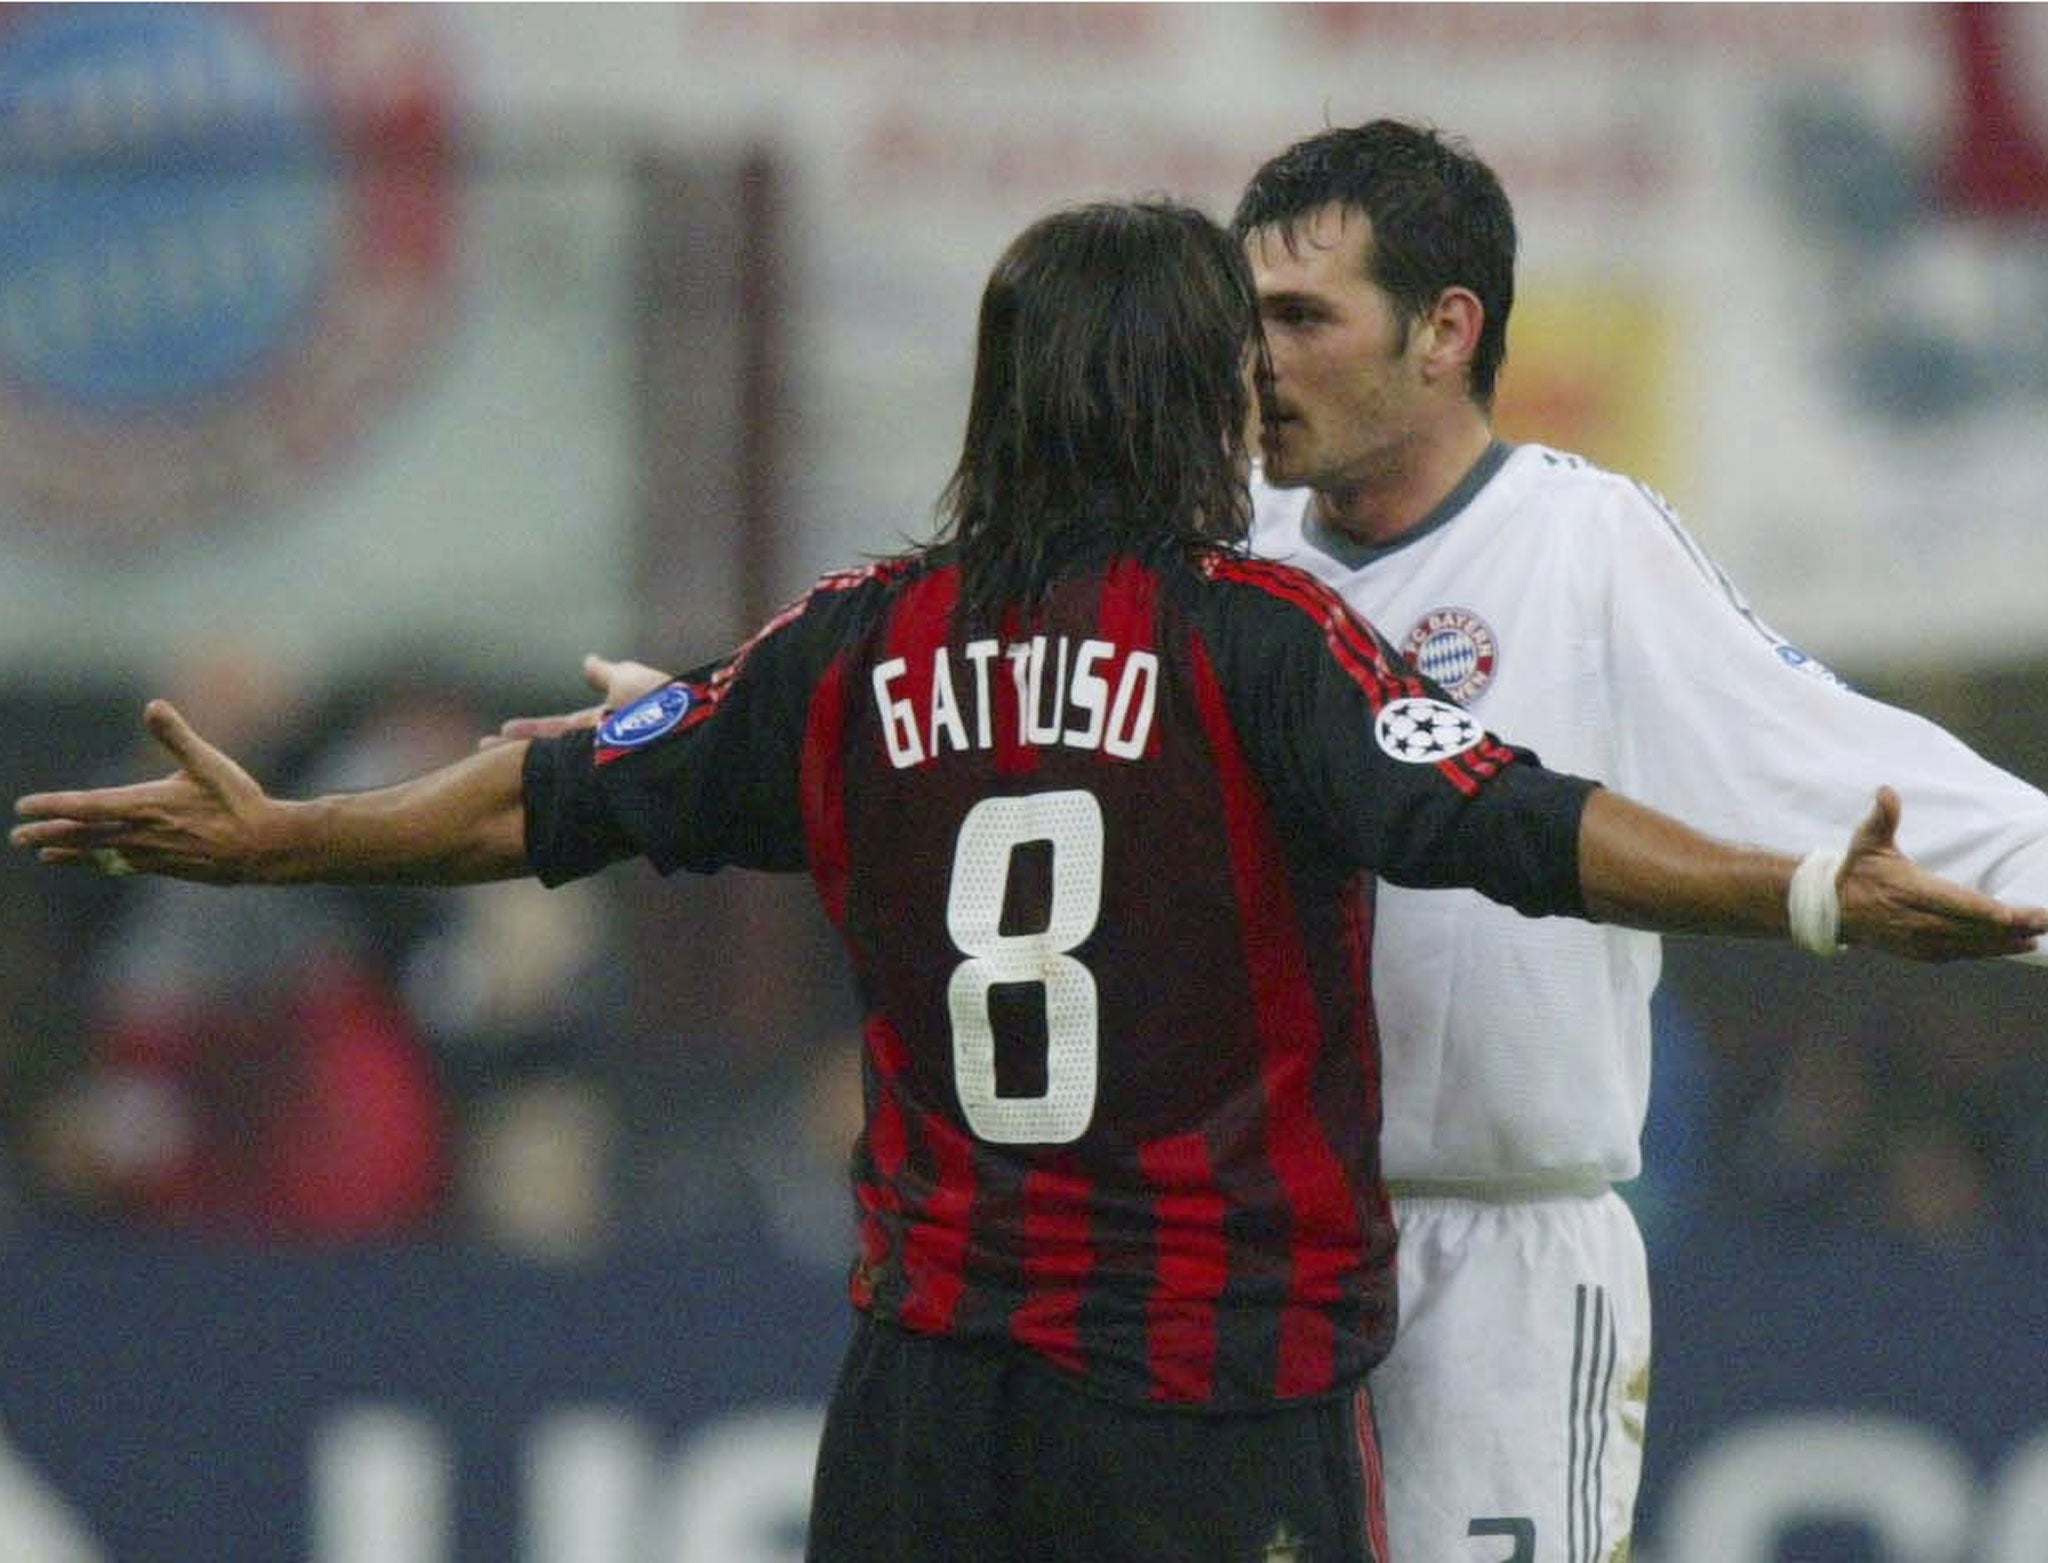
x: 1890, y: 903
x: 208, y: 820
x: 621, y: 683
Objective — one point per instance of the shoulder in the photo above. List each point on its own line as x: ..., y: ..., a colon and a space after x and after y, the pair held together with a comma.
x: 1610, y: 523
x: 810, y: 630
x: 852, y: 593
x: 877, y: 578
x: 1268, y: 585
x: 1267, y: 610
x: 1631, y: 546
x: 1574, y: 487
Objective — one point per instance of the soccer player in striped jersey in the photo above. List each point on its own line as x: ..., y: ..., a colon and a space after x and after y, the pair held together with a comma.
x: 1088, y: 794
x: 1567, y: 606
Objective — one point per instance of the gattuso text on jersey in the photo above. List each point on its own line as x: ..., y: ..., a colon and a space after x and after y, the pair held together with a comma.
x: 1087, y: 694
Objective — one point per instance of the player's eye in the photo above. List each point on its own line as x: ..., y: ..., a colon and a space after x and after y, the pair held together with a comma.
x: 1295, y: 314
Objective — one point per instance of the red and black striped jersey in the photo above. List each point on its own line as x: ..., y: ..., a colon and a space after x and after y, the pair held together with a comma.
x: 1099, y: 880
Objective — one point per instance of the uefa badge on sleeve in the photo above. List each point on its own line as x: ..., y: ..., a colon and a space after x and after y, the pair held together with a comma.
x: 647, y: 719
x: 1420, y: 731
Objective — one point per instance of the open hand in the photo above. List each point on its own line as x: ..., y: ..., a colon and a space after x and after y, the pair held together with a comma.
x: 207, y: 820
x: 1890, y: 903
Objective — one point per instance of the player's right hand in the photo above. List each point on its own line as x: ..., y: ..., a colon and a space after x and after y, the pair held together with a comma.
x: 208, y: 820
x: 621, y: 683
x: 1890, y: 903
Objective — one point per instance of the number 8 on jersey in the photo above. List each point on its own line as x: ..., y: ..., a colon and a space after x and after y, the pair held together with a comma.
x: 1071, y: 823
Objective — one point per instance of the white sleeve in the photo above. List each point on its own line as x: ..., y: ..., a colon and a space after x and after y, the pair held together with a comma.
x: 1737, y: 732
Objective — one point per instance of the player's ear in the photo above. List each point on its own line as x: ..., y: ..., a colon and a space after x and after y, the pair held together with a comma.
x: 1452, y: 326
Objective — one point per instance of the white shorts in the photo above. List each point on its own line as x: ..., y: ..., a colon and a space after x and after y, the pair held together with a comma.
x: 1511, y: 1408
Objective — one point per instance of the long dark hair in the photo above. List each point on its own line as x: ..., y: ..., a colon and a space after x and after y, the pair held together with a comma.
x: 1439, y: 218
x: 1110, y: 406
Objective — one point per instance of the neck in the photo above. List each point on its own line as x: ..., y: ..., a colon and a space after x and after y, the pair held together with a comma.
x: 1382, y: 507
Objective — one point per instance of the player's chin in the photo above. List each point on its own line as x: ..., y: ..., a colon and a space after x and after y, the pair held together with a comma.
x: 1277, y: 462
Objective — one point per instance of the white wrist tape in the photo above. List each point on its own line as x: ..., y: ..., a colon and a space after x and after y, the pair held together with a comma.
x: 1813, y: 906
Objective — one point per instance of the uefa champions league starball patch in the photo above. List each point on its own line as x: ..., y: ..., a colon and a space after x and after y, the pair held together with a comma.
x: 1455, y: 649
x: 646, y: 719
x: 1420, y: 731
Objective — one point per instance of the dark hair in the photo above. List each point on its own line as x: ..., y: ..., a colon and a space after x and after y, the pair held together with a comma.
x: 1439, y: 218
x: 1109, y: 409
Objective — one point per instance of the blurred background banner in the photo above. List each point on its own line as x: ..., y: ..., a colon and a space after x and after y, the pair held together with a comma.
x: 185, y: 1404
x: 363, y: 366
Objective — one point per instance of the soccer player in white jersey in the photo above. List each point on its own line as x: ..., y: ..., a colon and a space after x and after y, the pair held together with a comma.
x: 1566, y: 605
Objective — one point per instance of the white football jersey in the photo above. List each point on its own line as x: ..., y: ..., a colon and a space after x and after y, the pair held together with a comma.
x: 1570, y: 609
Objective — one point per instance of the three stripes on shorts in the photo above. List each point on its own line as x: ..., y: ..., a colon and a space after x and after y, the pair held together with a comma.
x: 1594, y: 1347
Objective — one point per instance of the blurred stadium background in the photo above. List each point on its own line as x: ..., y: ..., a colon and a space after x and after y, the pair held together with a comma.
x: 363, y: 366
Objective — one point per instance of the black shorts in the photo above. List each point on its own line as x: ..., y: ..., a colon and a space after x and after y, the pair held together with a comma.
x: 937, y: 1451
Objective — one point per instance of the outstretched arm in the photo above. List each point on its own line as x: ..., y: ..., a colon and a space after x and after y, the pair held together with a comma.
x: 209, y: 820
x: 1644, y: 869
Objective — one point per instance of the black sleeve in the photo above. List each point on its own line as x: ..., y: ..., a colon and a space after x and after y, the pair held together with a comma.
x: 701, y: 775
x: 1373, y: 766
x: 569, y: 834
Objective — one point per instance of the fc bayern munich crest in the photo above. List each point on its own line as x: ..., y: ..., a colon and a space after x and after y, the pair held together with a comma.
x: 227, y: 250
x: 1456, y: 648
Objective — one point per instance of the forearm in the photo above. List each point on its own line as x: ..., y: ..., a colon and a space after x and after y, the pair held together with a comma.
x: 1639, y: 867
x: 462, y: 824
x: 1646, y: 870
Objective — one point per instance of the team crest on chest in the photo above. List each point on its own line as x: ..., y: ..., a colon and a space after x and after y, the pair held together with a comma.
x: 1456, y: 648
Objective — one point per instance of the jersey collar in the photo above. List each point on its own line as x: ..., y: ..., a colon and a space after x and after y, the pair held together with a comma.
x: 1355, y: 555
